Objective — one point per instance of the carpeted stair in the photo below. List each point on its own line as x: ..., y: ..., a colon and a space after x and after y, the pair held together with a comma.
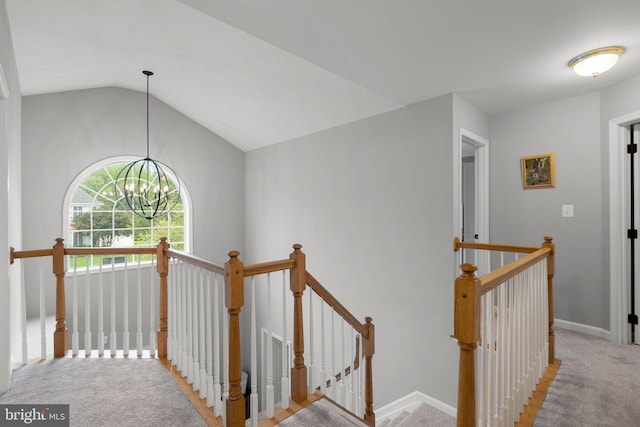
x: 422, y: 416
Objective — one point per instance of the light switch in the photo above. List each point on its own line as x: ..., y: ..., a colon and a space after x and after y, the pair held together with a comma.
x: 567, y: 210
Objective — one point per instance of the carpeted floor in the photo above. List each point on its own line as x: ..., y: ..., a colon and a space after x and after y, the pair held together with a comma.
x: 105, y: 392
x: 598, y: 384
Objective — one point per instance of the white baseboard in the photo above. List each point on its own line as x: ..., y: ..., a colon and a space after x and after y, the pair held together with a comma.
x: 409, y: 403
x: 585, y: 329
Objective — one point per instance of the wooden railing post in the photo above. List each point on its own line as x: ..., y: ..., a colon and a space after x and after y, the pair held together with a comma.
x: 60, y: 336
x: 234, y: 282
x: 298, y: 283
x: 548, y: 243
x: 162, y: 265
x: 467, y: 331
x: 369, y: 348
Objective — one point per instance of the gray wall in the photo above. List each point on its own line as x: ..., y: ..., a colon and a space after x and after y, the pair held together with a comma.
x: 371, y: 202
x: 10, y: 210
x: 571, y: 129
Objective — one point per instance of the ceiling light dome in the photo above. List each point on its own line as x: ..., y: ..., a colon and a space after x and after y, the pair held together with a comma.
x: 596, y: 61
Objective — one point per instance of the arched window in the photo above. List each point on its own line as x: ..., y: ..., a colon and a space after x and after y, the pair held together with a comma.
x: 94, y: 218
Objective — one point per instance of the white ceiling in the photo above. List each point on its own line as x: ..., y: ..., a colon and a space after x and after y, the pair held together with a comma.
x: 259, y: 72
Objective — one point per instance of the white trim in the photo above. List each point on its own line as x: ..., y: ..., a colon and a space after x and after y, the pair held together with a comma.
x: 4, y: 87
x: 410, y: 402
x: 584, y: 329
x: 482, y: 190
x: 618, y: 208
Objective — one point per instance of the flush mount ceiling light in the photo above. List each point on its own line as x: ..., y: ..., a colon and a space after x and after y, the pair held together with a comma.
x: 596, y: 61
x: 148, y: 188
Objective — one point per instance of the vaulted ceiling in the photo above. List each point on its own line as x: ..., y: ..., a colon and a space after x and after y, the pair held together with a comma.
x: 259, y: 72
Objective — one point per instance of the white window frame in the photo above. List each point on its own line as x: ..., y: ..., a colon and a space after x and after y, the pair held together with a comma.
x: 184, y: 194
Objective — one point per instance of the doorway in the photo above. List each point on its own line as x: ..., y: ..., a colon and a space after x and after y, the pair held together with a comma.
x: 624, y: 216
x: 473, y: 196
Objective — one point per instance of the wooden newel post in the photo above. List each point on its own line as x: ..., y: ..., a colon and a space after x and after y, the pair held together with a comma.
x: 60, y: 336
x: 298, y: 283
x: 369, y: 349
x: 234, y: 283
x: 548, y: 243
x: 162, y: 265
x: 466, y: 330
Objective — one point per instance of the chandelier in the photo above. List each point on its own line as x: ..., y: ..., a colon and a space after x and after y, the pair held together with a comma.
x: 146, y: 187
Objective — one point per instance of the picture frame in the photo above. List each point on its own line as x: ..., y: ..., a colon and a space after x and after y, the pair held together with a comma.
x: 538, y: 171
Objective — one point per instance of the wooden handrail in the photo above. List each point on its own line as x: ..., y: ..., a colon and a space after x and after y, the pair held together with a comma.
x: 109, y: 251
x: 333, y: 302
x: 13, y: 254
x: 458, y: 244
x: 494, y: 279
x: 191, y: 259
x: 268, y: 267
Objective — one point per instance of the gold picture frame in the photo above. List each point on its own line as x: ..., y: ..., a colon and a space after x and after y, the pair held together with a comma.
x: 538, y: 171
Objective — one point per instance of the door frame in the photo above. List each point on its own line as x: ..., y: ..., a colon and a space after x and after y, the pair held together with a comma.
x: 481, y: 183
x: 619, y: 262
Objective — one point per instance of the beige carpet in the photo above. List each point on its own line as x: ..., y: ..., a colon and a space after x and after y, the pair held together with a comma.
x: 105, y: 392
x: 598, y: 384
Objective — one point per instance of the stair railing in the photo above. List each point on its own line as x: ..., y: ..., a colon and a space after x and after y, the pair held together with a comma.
x: 190, y: 324
x: 503, y: 322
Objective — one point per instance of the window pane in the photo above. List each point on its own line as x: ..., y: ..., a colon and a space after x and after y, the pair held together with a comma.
x: 142, y: 237
x: 102, y: 221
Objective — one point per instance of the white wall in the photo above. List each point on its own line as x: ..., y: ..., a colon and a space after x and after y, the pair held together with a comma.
x: 371, y: 203
x: 10, y: 212
x: 571, y: 129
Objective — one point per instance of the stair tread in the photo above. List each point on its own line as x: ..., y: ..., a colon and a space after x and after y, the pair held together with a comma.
x: 425, y: 416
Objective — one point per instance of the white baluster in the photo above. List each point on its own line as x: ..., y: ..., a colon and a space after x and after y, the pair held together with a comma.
x: 184, y: 358
x: 189, y: 284
x: 125, y: 308
x: 170, y: 310
x: 269, y: 388
x: 333, y: 387
x: 196, y: 329
x: 284, y: 381
x: 311, y: 368
x: 179, y: 341
x: 342, y: 395
x: 139, y: 341
x: 350, y: 393
x: 87, y: 309
x: 23, y: 317
x: 74, y: 291
x: 217, y: 390
x: 253, y: 404
x: 202, y: 344
x: 209, y: 334
x: 323, y: 351
x: 43, y: 332
x: 112, y: 335
x: 100, y: 309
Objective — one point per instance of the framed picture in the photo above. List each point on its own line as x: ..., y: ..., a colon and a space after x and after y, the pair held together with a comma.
x: 538, y: 171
